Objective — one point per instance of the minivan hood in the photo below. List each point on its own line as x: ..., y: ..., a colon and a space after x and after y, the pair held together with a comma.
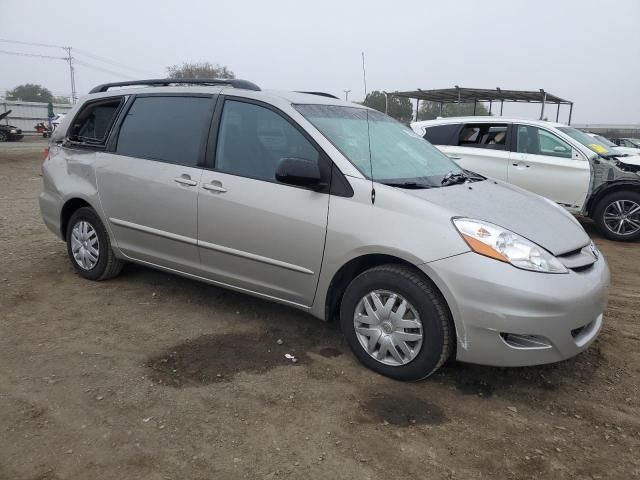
x: 631, y: 159
x: 522, y: 212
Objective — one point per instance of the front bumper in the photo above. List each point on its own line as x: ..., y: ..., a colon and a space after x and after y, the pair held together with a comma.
x: 493, y: 303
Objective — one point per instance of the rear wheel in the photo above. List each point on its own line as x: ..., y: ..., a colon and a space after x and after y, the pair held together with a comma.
x: 397, y: 323
x: 89, y: 247
x: 4, y: 137
x: 617, y: 215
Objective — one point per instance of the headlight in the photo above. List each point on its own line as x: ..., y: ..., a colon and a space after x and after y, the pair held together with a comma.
x: 13, y: 130
x: 501, y: 244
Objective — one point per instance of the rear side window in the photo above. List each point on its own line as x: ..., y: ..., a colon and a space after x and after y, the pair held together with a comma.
x: 484, y: 135
x: 92, y: 125
x: 441, y: 134
x: 167, y: 129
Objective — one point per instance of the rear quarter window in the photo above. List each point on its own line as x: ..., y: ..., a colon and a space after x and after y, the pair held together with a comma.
x: 442, y: 134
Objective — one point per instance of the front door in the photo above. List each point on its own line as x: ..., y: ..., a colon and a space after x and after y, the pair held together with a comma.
x: 545, y: 164
x: 255, y: 233
x: 149, y: 186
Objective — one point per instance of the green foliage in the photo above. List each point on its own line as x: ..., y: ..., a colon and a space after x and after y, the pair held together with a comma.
x: 399, y: 108
x: 199, y: 70
x: 431, y: 110
x: 30, y: 92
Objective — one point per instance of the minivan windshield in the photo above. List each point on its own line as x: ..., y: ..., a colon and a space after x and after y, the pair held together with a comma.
x: 591, y: 142
x: 398, y: 156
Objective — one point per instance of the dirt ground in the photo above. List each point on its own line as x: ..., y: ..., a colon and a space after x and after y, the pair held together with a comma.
x: 151, y: 376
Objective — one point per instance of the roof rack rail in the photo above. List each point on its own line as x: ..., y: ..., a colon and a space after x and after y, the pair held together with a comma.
x: 164, y: 82
x: 321, y: 94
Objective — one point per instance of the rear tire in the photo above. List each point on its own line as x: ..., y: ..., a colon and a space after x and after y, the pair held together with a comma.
x: 397, y: 323
x: 4, y: 137
x: 89, y: 246
x: 617, y: 216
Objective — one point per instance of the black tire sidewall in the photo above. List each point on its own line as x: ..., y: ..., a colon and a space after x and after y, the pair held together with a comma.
x: 4, y: 136
x: 598, y: 216
x: 90, y: 216
x: 434, y: 337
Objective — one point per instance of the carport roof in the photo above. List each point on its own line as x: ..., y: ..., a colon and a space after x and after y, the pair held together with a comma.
x: 468, y: 95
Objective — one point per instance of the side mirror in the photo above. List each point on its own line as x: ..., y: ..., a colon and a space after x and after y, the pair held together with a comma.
x: 299, y: 172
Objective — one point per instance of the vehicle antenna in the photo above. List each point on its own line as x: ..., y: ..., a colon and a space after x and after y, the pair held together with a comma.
x: 364, y: 80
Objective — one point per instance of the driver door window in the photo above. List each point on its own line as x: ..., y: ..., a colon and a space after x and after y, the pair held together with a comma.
x: 253, y: 139
x: 536, y: 141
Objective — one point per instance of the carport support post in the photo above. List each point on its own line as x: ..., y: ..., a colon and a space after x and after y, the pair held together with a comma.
x: 501, y: 105
x: 544, y: 100
x: 440, y: 108
x: 386, y: 103
x: 558, y: 112
x: 417, y: 108
x: 490, y: 105
x: 570, y: 112
x: 475, y: 104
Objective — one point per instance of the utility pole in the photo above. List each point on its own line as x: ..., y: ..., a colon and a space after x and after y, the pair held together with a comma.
x: 69, y: 59
x: 346, y: 95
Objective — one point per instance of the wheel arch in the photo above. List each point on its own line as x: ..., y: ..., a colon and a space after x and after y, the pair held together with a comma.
x: 609, y: 188
x: 354, y: 267
x: 69, y: 207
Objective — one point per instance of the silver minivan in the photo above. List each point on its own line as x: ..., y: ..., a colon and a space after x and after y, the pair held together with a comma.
x: 328, y: 207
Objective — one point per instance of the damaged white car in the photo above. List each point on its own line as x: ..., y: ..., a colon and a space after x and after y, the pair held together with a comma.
x: 559, y: 162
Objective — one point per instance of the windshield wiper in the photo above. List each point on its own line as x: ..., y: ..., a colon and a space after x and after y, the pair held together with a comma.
x: 409, y: 185
x: 454, y: 178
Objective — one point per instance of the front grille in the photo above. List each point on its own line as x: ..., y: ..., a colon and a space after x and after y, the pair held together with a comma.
x: 578, y: 260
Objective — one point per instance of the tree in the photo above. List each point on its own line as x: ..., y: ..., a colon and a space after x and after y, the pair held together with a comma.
x: 431, y: 110
x: 400, y: 108
x: 199, y: 70
x: 30, y: 92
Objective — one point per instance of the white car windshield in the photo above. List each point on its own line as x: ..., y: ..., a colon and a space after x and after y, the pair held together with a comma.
x: 591, y: 142
x: 382, y: 148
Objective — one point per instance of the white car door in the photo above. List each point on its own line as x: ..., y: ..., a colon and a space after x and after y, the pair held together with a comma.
x: 481, y: 148
x: 545, y: 164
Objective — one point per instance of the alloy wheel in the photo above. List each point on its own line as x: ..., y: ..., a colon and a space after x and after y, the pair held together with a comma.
x: 622, y: 217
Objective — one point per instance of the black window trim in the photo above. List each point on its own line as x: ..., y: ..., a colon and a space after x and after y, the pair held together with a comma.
x: 102, y: 146
x: 335, y: 186
x: 115, y: 131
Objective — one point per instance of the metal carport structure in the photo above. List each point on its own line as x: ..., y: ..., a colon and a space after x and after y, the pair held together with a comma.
x: 474, y: 95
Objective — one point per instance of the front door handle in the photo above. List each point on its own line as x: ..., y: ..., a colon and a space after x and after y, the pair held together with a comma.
x: 519, y: 165
x: 212, y: 187
x: 185, y: 180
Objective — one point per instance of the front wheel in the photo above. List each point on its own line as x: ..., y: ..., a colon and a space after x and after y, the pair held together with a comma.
x: 397, y: 323
x: 617, y: 216
x: 89, y: 247
x: 4, y: 137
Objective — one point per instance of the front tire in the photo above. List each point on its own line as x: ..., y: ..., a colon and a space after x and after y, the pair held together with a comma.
x: 617, y: 216
x: 89, y: 247
x: 4, y: 137
x: 397, y: 323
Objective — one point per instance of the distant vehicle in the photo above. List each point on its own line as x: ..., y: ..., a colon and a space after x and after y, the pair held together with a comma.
x: 9, y: 133
x: 556, y: 161
x: 608, y: 143
x: 627, y: 142
x: 328, y: 207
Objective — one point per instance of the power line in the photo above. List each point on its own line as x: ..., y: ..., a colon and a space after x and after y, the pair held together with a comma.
x: 112, y: 62
x: 22, y: 54
x: 105, y: 70
x: 17, y: 42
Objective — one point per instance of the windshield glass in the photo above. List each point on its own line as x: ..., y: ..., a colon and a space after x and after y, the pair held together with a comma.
x: 604, y: 141
x: 589, y: 141
x: 398, y: 155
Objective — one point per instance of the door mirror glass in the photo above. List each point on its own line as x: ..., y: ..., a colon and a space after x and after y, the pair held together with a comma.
x: 299, y: 172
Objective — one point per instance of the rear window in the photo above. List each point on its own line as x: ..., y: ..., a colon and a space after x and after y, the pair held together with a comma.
x: 168, y: 129
x: 484, y: 135
x: 441, y: 134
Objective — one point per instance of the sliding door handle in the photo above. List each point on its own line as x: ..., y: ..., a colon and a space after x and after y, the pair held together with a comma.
x: 185, y: 181
x: 212, y: 187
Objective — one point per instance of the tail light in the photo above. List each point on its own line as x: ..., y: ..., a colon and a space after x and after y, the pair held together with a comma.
x: 46, y: 154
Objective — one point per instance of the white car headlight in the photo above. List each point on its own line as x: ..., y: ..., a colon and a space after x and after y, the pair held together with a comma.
x: 501, y: 244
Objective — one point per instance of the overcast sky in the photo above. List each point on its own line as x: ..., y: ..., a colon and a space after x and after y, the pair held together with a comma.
x: 583, y: 50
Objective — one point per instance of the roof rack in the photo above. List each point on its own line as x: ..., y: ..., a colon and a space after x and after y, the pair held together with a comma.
x: 321, y: 94
x: 164, y: 82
